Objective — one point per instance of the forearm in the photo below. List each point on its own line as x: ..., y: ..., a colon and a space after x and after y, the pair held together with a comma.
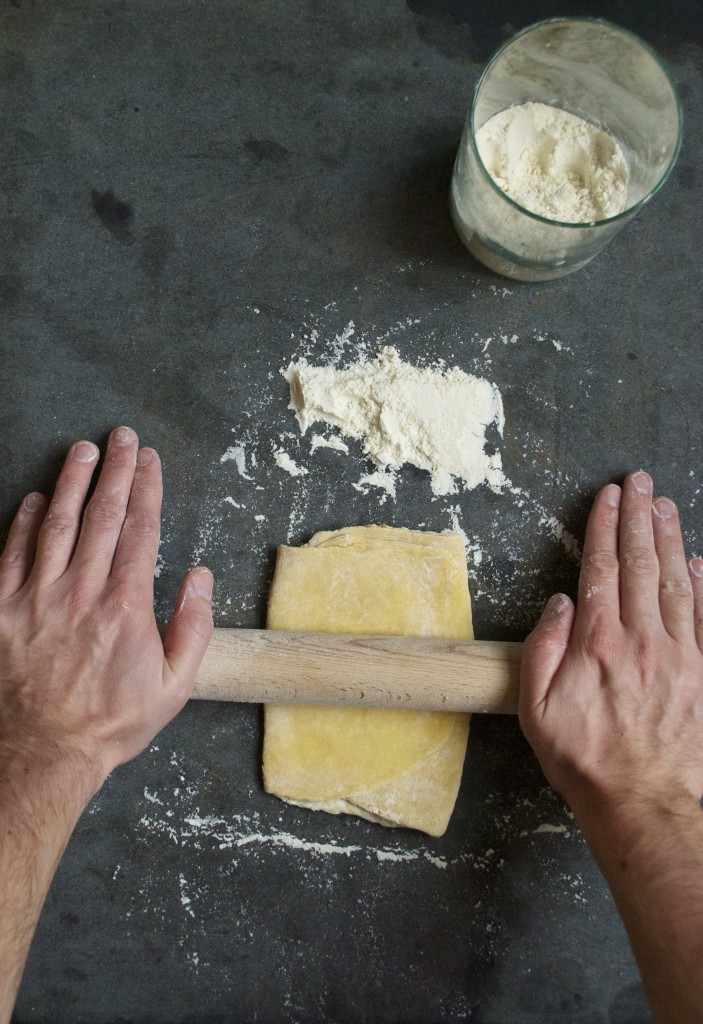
x: 39, y: 806
x: 86, y: 680
x: 651, y: 858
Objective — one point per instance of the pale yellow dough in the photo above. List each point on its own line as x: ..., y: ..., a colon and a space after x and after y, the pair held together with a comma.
x: 394, y: 767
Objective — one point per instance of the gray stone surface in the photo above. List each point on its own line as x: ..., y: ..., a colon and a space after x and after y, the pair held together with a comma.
x: 192, y: 194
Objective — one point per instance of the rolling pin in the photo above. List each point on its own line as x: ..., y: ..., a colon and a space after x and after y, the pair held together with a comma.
x: 265, y: 666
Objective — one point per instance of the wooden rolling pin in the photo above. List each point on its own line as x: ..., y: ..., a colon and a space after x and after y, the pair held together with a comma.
x: 265, y: 666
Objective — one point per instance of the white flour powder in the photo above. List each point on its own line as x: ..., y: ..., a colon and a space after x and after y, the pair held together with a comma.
x: 337, y: 445
x: 435, y: 419
x: 284, y: 462
x: 554, y: 163
x: 238, y: 456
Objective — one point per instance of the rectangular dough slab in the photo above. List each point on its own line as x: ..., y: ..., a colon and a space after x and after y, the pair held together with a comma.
x: 396, y: 767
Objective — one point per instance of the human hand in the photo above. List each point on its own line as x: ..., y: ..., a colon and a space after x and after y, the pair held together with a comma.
x: 85, y: 677
x: 611, y: 693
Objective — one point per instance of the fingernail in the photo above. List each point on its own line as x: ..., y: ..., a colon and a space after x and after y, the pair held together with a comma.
x: 33, y: 501
x: 696, y: 566
x: 201, y: 582
x: 123, y: 435
x: 145, y: 456
x: 612, y: 495
x: 557, y: 605
x: 664, y: 508
x: 642, y: 482
x: 84, y: 451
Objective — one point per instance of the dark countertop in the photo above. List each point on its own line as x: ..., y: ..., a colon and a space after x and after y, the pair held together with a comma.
x: 192, y: 195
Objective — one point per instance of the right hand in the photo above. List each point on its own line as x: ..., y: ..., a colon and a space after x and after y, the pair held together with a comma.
x: 611, y: 693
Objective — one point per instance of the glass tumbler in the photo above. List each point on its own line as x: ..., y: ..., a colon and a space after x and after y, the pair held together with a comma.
x: 592, y: 69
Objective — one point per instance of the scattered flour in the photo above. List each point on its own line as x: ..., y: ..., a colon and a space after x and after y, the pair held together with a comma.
x: 473, y: 551
x: 284, y: 462
x: 237, y: 455
x: 560, y: 533
x: 334, y: 442
x: 554, y: 163
x: 173, y: 818
x: 435, y: 419
x: 505, y: 575
x: 237, y: 833
x: 384, y: 479
x: 186, y: 900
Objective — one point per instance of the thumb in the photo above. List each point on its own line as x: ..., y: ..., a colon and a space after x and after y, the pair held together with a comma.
x: 190, y: 630
x: 543, y: 652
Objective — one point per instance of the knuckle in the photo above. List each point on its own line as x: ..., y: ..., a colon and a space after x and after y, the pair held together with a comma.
x: 119, y: 456
x: 25, y: 519
x: 678, y: 587
x: 10, y: 558
x: 548, y: 644
x: 127, y: 613
x: 603, y: 564
x: 144, y: 480
x: 639, y: 561
x: 609, y: 516
x: 639, y: 521
x: 645, y: 650
x: 102, y: 512
x: 121, y: 599
x: 600, y: 640
x: 141, y: 523
x: 201, y: 625
x: 80, y: 599
x: 58, y: 525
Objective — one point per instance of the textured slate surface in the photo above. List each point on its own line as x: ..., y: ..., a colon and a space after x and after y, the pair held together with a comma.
x: 191, y: 195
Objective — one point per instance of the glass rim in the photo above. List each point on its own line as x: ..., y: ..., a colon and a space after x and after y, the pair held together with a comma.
x: 630, y: 210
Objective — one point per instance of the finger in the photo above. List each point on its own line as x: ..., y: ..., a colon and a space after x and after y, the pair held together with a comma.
x: 138, y: 545
x: 675, y: 589
x: 59, y: 530
x: 190, y: 629
x: 695, y: 568
x: 639, y: 566
x: 105, y: 512
x: 543, y: 653
x: 18, y: 556
x: 599, y: 591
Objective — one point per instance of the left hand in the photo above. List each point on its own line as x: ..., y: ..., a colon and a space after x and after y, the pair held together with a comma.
x: 85, y: 677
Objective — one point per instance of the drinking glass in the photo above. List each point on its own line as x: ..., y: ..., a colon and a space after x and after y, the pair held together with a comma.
x: 599, y: 72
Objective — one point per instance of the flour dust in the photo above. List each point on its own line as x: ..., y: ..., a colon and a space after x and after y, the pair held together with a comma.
x: 383, y: 422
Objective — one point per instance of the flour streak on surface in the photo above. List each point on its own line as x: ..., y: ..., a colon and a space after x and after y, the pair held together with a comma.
x: 188, y: 877
x: 174, y: 813
x: 238, y: 456
x: 241, y: 830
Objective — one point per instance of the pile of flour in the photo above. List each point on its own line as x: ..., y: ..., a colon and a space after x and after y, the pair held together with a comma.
x: 435, y: 419
x: 554, y: 163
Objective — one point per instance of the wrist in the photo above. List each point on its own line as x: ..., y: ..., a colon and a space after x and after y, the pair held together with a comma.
x: 43, y: 791
x: 623, y: 820
x: 50, y: 784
